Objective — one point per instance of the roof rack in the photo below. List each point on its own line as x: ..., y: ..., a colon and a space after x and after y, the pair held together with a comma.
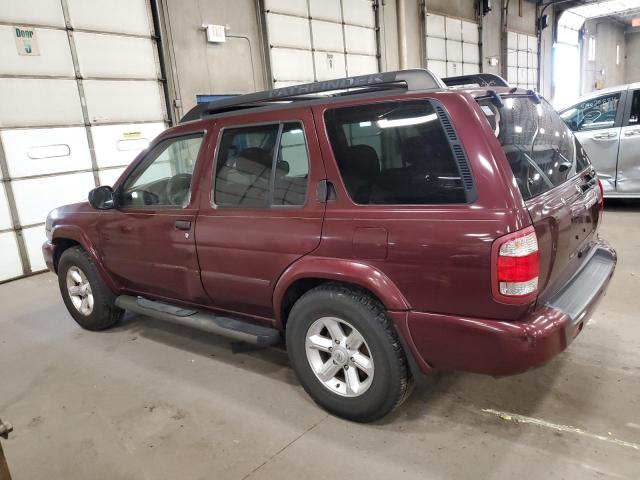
x: 411, y: 80
x: 480, y: 79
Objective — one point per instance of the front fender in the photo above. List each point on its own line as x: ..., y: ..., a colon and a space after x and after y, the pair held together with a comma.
x: 349, y: 271
x: 77, y: 234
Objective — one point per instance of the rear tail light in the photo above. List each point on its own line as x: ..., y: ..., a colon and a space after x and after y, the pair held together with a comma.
x: 601, y: 194
x: 516, y: 265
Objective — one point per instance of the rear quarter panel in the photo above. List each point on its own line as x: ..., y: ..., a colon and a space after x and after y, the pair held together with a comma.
x: 438, y: 256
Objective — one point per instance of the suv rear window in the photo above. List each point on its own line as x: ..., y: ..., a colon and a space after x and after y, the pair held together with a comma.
x: 542, y: 151
x: 394, y: 153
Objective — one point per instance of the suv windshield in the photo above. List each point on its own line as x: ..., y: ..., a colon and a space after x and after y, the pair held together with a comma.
x: 542, y: 151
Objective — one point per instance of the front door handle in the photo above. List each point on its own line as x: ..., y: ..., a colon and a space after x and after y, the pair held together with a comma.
x: 183, y: 224
x: 604, y: 136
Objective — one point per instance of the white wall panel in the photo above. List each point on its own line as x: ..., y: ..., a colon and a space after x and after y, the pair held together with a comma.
x: 452, y: 45
x: 287, y: 64
x: 54, y: 58
x: 435, y: 26
x: 34, y: 12
x: 326, y: 10
x: 10, y: 264
x: 45, y: 150
x: 120, y: 16
x: 360, y: 40
x: 36, y: 197
x: 117, y: 145
x: 115, y: 56
x: 436, y: 48
x: 358, y: 12
x: 470, y: 32
x: 34, y: 237
x: 288, y: 31
x: 454, y: 51
x: 291, y: 7
x: 361, y: 64
x: 123, y: 101
x: 34, y: 101
x: 329, y: 65
x: 327, y: 36
x: 470, y: 68
x: 438, y: 67
x: 109, y: 177
x: 453, y: 28
x: 471, y: 53
x: 454, y: 69
x: 5, y: 217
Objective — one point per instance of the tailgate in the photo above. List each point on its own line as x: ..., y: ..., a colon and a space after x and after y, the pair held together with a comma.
x: 555, y: 178
x: 566, y: 220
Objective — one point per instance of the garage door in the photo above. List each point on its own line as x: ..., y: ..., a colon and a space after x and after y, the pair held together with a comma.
x: 452, y: 45
x: 522, y: 60
x: 313, y: 40
x: 81, y: 97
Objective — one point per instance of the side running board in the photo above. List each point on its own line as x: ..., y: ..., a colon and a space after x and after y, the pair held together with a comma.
x: 206, y: 321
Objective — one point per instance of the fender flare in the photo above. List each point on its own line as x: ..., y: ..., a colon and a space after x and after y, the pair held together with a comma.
x: 344, y: 270
x: 72, y: 232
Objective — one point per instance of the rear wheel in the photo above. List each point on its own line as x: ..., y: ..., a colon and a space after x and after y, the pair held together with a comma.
x: 86, y: 296
x: 346, y: 353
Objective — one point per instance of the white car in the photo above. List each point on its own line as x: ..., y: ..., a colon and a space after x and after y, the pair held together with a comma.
x: 607, y: 124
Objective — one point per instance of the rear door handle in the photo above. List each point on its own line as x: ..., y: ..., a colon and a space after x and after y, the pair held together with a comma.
x: 604, y: 136
x: 631, y: 133
x: 183, y: 224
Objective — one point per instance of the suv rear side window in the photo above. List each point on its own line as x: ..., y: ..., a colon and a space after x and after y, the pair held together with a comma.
x: 245, y: 173
x: 394, y: 153
x: 542, y: 151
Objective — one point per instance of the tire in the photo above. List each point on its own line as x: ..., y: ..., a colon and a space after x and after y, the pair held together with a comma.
x: 76, y: 269
x: 308, y: 329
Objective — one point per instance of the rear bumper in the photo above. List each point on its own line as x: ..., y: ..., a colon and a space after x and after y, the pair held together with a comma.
x: 48, y: 250
x: 499, y: 348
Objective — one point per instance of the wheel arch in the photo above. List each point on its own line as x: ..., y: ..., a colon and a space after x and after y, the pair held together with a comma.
x: 307, y: 273
x: 64, y: 237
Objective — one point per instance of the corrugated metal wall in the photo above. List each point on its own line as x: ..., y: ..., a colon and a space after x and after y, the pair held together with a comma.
x: 320, y: 39
x: 74, y: 115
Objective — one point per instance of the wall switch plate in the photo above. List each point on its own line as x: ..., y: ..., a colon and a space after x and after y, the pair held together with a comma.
x: 215, y: 33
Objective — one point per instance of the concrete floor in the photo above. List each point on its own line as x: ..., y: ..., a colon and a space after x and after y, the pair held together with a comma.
x: 147, y: 400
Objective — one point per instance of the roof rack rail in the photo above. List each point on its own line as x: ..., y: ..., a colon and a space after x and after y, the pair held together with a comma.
x: 480, y: 79
x: 411, y: 80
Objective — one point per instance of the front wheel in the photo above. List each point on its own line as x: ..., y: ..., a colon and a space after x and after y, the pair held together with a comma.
x: 346, y: 353
x: 86, y: 296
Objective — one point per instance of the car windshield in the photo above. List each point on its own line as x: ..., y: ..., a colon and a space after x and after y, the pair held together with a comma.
x: 541, y: 149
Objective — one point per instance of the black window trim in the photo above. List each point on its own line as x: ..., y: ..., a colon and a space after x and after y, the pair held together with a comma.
x: 280, y: 124
x: 145, y: 162
x: 461, y: 161
x: 628, y: 104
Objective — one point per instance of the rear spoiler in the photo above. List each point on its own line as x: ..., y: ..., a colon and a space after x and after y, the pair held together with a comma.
x: 476, y: 79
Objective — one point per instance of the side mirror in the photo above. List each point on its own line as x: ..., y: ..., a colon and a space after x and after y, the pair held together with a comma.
x: 102, y: 198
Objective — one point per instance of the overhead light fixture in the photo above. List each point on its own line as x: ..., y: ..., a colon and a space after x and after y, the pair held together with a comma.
x: 606, y: 8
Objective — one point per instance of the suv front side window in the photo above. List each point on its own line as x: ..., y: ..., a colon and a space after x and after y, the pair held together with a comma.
x: 593, y: 114
x: 262, y: 166
x: 163, y: 179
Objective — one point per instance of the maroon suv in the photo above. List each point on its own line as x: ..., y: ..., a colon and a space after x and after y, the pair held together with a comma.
x: 384, y: 226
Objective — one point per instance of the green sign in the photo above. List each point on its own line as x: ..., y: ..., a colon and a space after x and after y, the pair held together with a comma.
x: 26, y: 41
